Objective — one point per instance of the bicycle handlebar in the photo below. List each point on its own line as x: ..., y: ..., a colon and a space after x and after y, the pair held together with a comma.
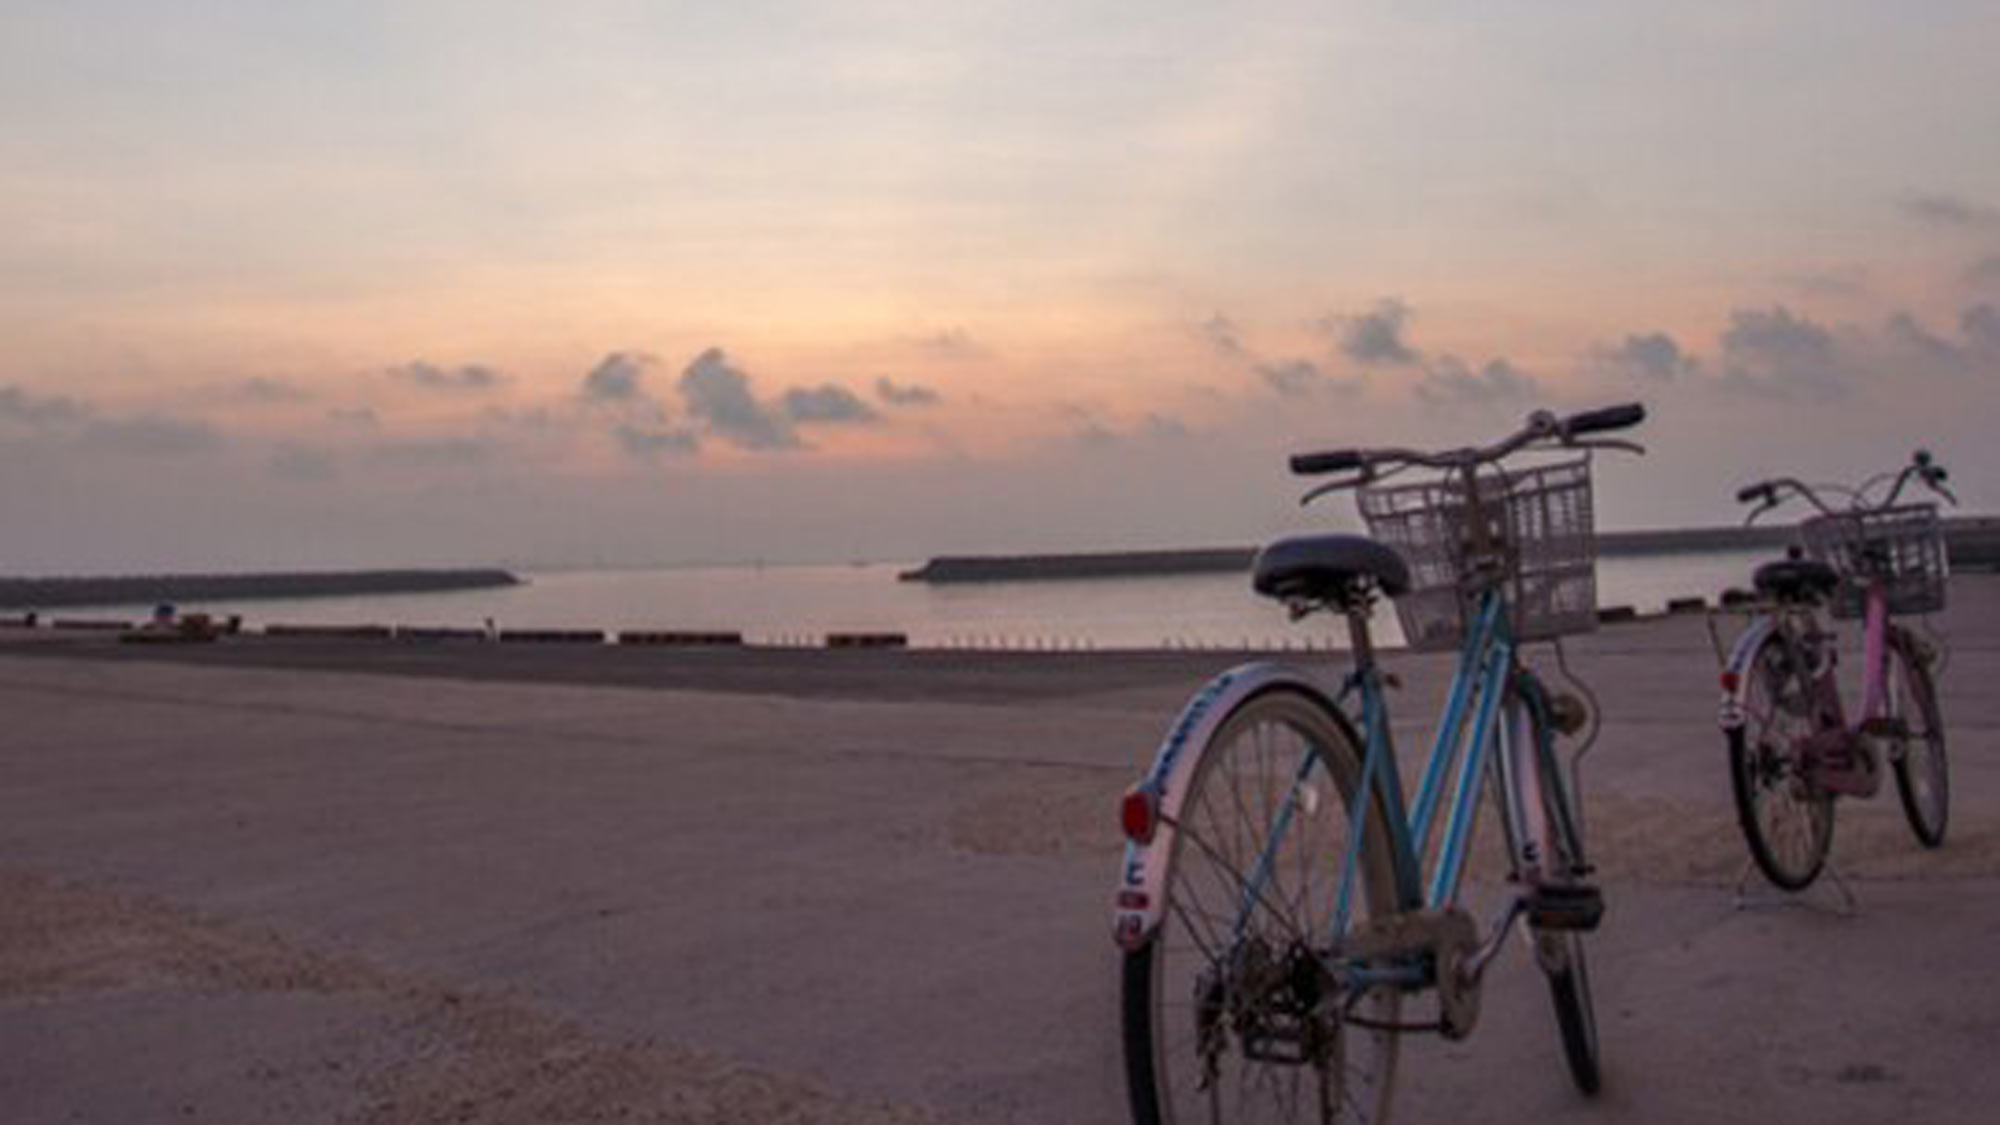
x: 1769, y: 494
x: 1332, y: 461
x: 1608, y: 418
x: 1762, y: 490
x: 1541, y: 426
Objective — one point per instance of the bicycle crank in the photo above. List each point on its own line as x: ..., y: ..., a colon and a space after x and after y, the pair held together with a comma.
x: 1447, y: 941
x: 1841, y: 761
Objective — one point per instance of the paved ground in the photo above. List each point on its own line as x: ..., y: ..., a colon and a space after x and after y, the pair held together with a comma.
x: 330, y: 882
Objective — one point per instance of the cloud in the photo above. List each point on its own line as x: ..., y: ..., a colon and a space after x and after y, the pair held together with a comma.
x: 1985, y: 272
x: 1291, y: 378
x: 616, y: 378
x: 1654, y: 357
x: 1849, y: 282
x: 465, y: 377
x: 826, y: 403
x: 1449, y: 379
x: 1772, y: 352
x: 433, y: 452
x: 646, y: 443
x: 1374, y: 339
x: 1221, y: 334
x: 1095, y: 435
x: 1092, y: 432
x: 263, y: 388
x: 17, y: 405
x: 1981, y: 326
x: 904, y: 394
x: 718, y: 393
x: 151, y: 435
x: 1949, y: 211
x: 302, y: 463
x: 952, y: 343
x: 361, y: 416
x: 1906, y: 335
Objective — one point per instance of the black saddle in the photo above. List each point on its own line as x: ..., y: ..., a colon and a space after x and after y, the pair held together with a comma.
x: 1796, y: 580
x: 1327, y: 568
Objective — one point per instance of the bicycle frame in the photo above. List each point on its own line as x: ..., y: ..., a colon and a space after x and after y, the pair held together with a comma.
x: 1874, y: 671
x: 1477, y: 687
x: 1468, y: 729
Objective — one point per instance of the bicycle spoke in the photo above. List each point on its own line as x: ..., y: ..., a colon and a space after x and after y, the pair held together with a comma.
x: 1227, y: 957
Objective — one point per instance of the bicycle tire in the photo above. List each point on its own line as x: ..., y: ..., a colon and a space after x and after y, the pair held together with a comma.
x: 1560, y: 954
x: 1171, y: 1045
x: 1764, y: 775
x: 1923, y: 780
x: 1576, y: 1014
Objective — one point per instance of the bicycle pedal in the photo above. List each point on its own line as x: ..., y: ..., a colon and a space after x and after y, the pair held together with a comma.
x: 1571, y: 906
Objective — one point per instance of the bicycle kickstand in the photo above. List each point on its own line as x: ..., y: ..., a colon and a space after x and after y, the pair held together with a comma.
x: 1746, y: 897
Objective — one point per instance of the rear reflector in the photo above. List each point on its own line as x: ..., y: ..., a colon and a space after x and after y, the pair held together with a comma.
x: 1139, y: 815
x: 1730, y: 681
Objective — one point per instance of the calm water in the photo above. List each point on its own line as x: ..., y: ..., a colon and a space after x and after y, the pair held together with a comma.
x: 798, y: 604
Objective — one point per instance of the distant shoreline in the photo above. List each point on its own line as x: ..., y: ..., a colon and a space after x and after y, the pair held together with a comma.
x: 1974, y: 543
x: 50, y: 593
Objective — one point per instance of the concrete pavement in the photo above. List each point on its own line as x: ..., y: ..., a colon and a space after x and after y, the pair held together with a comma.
x: 325, y: 882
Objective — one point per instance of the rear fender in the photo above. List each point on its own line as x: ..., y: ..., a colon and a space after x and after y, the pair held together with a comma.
x: 1736, y: 672
x: 1139, y: 903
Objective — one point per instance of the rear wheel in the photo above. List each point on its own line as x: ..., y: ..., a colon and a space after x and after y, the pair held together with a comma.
x: 1918, y: 751
x: 1553, y: 857
x: 1786, y: 820
x: 1229, y: 1013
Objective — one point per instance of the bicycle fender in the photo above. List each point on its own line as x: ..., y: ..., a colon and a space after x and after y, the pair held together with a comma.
x: 1736, y: 673
x: 1139, y: 904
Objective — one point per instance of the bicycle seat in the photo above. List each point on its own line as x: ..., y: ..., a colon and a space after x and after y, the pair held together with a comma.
x: 1325, y: 568
x: 1794, y: 580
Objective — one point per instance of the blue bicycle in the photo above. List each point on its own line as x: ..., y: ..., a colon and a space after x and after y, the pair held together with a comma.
x: 1285, y: 916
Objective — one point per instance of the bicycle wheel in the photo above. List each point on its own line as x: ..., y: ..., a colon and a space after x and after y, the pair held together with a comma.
x: 1550, y: 822
x: 1918, y: 751
x: 1229, y: 1013
x: 1787, y: 822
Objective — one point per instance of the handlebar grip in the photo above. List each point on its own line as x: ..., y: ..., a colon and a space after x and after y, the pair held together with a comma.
x: 1606, y: 418
x: 1752, y: 493
x: 1332, y: 461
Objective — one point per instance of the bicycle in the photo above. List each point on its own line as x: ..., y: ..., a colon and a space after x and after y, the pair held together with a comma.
x: 1279, y: 902
x: 1792, y: 751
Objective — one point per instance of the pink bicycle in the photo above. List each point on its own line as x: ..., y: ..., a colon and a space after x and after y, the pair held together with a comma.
x: 1792, y: 749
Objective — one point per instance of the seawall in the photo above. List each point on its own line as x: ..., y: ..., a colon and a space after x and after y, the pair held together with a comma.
x: 47, y: 593
x: 1973, y: 542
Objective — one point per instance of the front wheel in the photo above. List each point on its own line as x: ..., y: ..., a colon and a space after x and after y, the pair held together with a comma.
x: 1918, y: 751
x: 1786, y: 820
x: 1548, y: 852
x: 1229, y: 1012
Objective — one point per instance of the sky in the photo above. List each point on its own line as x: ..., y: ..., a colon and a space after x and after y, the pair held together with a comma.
x: 619, y: 284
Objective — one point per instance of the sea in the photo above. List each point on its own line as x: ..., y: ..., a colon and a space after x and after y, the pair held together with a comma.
x: 800, y: 604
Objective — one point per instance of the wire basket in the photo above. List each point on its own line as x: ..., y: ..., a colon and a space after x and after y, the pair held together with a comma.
x: 1902, y: 548
x: 1540, y: 552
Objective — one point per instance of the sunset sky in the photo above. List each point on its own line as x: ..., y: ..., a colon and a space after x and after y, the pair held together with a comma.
x: 628, y: 283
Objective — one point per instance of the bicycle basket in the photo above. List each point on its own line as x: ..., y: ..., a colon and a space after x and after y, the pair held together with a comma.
x: 1901, y: 547
x: 1543, y: 554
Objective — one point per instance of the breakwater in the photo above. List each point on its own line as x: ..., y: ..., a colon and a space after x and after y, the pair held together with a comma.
x: 148, y: 589
x: 1973, y: 543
